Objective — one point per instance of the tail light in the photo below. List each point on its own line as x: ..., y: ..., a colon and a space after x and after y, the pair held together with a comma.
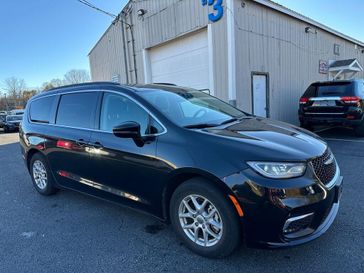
x: 351, y: 100
x: 304, y: 100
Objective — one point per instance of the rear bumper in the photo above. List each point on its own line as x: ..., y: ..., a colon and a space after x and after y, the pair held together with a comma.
x: 355, y: 115
x: 330, y: 120
x: 268, y: 210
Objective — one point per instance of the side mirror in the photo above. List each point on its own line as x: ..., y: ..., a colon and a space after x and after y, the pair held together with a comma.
x: 128, y: 129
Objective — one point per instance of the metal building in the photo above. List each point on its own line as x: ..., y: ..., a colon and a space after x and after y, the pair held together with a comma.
x: 256, y: 54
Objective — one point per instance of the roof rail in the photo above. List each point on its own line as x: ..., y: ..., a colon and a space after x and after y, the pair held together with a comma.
x: 165, y: 83
x: 83, y: 84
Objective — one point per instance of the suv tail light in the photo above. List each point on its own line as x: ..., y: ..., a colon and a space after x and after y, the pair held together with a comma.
x: 350, y: 100
x: 304, y: 100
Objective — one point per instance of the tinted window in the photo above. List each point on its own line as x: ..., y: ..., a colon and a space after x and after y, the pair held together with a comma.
x: 310, y: 92
x: 77, y: 110
x: 330, y: 89
x: 41, y: 109
x: 14, y: 118
x: 335, y: 89
x: 188, y: 107
x: 361, y: 89
x: 118, y: 109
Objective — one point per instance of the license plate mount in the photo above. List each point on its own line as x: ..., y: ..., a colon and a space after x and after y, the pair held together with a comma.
x: 324, y: 103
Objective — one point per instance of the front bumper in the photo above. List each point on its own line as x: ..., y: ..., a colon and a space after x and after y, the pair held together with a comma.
x: 285, y: 215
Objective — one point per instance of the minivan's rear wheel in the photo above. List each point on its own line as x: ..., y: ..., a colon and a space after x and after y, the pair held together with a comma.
x: 41, y: 175
x: 204, y: 219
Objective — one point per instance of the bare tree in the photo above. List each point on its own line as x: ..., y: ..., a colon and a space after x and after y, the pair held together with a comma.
x: 52, y: 84
x: 76, y: 76
x: 14, y: 87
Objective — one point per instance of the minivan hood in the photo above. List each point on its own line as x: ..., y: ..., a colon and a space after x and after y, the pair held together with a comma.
x: 271, y: 139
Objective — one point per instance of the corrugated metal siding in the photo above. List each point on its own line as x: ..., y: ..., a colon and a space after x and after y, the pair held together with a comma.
x: 271, y: 42
x: 165, y: 20
x: 266, y: 41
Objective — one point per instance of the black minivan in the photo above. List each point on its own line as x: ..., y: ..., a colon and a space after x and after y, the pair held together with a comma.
x: 216, y: 173
x: 333, y: 103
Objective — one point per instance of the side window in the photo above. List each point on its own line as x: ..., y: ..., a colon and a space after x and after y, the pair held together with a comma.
x: 41, y: 109
x: 361, y: 89
x: 310, y: 92
x: 117, y: 109
x: 77, y: 110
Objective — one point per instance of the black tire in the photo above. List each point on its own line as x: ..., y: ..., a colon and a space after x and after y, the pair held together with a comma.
x: 6, y: 130
x: 231, y: 228
x: 359, y: 130
x: 49, y: 186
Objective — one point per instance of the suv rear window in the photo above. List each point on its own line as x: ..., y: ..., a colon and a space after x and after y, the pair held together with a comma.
x: 41, y: 109
x: 334, y: 89
x: 77, y: 110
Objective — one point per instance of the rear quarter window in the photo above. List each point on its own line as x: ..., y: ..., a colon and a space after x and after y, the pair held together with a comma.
x: 77, y: 110
x: 41, y: 109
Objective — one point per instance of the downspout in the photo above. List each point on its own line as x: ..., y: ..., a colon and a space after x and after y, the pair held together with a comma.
x: 231, y: 52
x: 125, y: 54
x: 131, y: 26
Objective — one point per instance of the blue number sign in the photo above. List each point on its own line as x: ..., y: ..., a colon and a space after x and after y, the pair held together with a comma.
x: 218, y: 9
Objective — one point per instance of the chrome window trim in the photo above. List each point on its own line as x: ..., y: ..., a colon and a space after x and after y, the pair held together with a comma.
x: 98, y: 130
x: 312, y: 113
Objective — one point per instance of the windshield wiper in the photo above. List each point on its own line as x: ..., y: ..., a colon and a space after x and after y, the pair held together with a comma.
x: 200, y: 125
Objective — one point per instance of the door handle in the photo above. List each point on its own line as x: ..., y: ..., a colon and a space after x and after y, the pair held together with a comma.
x: 97, y: 145
x: 81, y: 142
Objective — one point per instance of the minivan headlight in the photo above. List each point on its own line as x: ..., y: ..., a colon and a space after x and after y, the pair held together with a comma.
x: 278, y: 169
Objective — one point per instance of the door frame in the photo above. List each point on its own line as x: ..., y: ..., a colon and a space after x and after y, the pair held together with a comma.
x: 255, y: 73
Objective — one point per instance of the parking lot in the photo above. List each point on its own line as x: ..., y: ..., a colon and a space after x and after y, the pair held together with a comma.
x: 71, y: 232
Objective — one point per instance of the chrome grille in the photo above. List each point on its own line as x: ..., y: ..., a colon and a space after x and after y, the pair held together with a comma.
x: 325, y: 167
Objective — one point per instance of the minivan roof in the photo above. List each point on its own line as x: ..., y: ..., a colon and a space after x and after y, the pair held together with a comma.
x: 107, y: 85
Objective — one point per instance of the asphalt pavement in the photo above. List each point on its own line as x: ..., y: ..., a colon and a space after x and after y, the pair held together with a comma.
x: 71, y: 232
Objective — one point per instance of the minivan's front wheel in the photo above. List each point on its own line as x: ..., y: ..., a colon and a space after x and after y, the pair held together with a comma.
x: 204, y: 219
x: 41, y: 175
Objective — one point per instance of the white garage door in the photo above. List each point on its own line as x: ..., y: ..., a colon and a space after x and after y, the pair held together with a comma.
x: 183, y: 62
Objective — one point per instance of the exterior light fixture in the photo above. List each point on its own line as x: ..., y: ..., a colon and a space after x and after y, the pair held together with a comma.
x: 310, y: 30
x: 141, y: 12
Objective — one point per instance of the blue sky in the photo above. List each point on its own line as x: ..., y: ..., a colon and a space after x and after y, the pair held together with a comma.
x: 344, y: 16
x: 43, y: 39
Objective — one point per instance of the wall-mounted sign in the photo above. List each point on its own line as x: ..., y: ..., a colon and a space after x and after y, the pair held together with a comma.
x: 323, y: 67
x: 218, y: 9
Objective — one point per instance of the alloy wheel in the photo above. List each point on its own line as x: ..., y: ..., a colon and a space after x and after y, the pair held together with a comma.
x: 200, y: 220
x: 40, y: 174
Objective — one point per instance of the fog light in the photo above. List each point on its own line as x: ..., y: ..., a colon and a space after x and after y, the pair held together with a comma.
x: 298, y: 223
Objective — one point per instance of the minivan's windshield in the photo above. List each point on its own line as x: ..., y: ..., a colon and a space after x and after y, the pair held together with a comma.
x: 14, y: 118
x: 191, y: 108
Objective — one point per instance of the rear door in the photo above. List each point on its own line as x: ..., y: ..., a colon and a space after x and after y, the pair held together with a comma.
x: 330, y: 99
x: 67, y: 145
